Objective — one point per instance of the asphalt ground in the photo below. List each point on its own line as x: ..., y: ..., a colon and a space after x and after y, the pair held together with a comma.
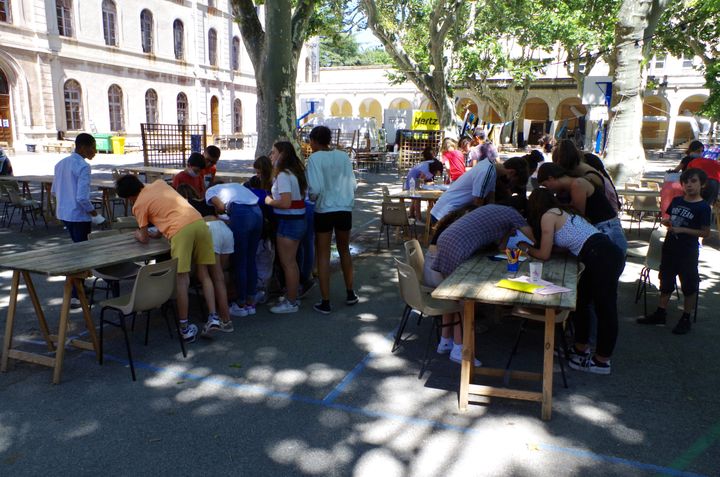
x: 309, y: 394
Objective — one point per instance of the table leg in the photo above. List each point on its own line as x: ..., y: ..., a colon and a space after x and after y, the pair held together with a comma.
x: 7, y: 342
x: 89, y: 324
x: 547, y: 383
x: 468, y: 353
x: 428, y: 221
x: 38, y: 310
x: 62, y: 330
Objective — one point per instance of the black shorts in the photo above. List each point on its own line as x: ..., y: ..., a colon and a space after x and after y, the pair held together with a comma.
x: 339, y: 221
x: 676, y: 265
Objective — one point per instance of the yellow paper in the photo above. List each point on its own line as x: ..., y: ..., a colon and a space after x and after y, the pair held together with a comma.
x: 518, y: 286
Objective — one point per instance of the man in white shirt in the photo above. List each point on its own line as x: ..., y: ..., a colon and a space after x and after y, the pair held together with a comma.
x: 475, y: 186
x: 71, y: 188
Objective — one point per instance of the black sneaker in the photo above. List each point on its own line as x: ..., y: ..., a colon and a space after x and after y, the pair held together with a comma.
x: 657, y: 318
x: 683, y: 325
x: 323, y: 308
x: 590, y: 365
x: 351, y: 298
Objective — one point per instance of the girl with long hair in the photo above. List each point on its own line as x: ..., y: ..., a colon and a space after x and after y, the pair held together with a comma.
x: 556, y: 225
x: 586, y: 198
x: 288, y: 202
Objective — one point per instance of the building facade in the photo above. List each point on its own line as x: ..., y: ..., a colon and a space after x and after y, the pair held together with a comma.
x: 107, y: 66
x: 554, y: 105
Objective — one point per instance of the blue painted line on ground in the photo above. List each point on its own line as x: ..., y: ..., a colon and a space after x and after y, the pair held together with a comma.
x: 337, y: 390
x: 262, y: 390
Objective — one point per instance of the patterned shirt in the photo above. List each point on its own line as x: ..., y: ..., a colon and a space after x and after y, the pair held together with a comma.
x: 473, y: 231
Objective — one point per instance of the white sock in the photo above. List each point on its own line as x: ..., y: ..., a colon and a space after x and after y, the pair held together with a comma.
x: 445, y: 341
x: 457, y: 347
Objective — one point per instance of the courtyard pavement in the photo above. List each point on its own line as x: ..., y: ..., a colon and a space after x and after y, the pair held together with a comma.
x: 309, y: 394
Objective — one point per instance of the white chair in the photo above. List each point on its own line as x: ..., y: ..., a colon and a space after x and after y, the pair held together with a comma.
x: 154, y: 286
x: 112, y: 275
x: 426, y: 305
x: 646, y: 206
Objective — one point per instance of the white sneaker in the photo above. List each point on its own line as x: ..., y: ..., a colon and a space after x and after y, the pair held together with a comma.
x: 237, y: 310
x: 456, y: 356
x: 211, y: 325
x: 444, y: 346
x: 250, y: 309
x: 189, y: 334
x: 227, y: 327
x: 285, y: 307
x: 75, y: 303
x: 261, y: 297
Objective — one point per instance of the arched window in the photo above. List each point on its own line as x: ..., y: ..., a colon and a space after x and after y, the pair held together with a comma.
x: 109, y: 21
x: 235, y: 53
x: 237, y: 116
x: 182, y: 109
x: 146, y: 31
x: 73, y: 105
x: 63, y: 9
x: 115, y: 107
x: 179, y: 38
x: 151, y: 107
x: 212, y: 47
x: 5, y: 11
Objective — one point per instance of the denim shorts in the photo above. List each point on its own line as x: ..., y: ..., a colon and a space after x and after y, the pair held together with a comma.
x: 293, y: 229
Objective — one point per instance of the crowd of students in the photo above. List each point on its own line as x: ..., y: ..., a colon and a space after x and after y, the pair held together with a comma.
x: 573, y: 206
x: 287, y: 207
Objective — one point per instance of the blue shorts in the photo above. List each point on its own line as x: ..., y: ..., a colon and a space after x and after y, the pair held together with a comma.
x: 293, y: 229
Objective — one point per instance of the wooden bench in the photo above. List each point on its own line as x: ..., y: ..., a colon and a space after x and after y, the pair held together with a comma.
x: 64, y: 146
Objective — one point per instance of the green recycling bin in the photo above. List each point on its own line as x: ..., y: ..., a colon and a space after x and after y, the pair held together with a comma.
x: 118, y: 144
x: 102, y: 142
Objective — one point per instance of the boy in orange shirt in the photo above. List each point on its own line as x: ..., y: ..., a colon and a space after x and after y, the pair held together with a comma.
x: 189, y: 236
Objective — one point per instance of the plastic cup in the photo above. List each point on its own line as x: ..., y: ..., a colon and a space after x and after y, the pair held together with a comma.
x: 536, y: 271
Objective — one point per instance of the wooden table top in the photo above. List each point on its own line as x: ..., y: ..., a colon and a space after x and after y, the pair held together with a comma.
x: 431, y: 194
x: 83, y: 256
x: 639, y: 192
x: 475, y: 280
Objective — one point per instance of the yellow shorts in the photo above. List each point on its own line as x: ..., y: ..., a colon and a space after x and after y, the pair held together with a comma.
x: 192, y: 244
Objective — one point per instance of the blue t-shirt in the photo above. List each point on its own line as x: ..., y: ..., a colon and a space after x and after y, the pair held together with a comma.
x: 692, y: 215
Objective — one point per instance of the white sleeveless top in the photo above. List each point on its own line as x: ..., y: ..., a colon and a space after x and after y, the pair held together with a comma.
x: 574, y: 233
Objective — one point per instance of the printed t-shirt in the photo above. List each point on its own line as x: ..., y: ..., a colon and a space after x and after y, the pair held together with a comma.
x: 161, y: 205
x: 692, y: 215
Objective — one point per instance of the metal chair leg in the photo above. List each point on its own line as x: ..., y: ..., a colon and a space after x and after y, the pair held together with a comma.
x: 403, y: 321
x: 127, y: 346
x: 147, y: 326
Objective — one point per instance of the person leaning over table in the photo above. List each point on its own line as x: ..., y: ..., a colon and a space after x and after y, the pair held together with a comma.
x: 554, y: 225
x: 463, y: 237
x: 246, y: 223
x: 426, y: 172
x: 71, y: 188
x: 587, y: 199
x: 191, y: 174
x: 223, y: 246
x: 694, y: 150
x: 190, y: 241
x: 477, y: 186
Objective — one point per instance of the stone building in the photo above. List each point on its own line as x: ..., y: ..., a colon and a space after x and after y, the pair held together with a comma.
x: 106, y: 66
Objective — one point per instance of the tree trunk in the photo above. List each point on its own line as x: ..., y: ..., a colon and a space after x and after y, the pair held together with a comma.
x: 274, y: 54
x: 276, y: 72
x: 637, y: 20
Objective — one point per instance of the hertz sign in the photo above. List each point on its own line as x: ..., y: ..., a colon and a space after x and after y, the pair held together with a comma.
x: 425, y: 121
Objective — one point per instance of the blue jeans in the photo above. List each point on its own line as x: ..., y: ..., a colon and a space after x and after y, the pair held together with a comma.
x: 246, y: 226
x: 306, y: 250
x: 79, y: 232
x: 613, y: 229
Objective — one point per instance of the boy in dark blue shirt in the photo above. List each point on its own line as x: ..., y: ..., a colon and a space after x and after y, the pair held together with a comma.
x: 689, y: 220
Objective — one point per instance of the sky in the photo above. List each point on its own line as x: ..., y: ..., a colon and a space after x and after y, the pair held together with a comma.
x: 366, y: 39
